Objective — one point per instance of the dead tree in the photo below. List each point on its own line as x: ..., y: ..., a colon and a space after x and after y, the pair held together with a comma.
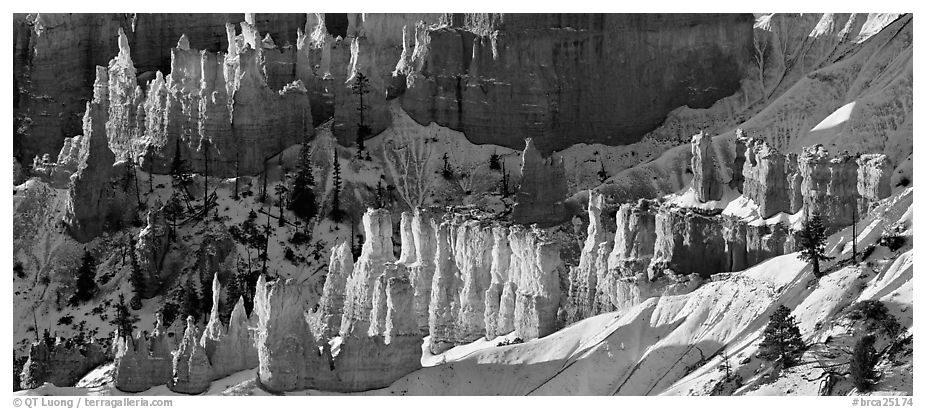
x: 408, y: 159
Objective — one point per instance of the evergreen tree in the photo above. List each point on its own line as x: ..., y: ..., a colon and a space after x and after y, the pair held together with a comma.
x: 854, y: 237
x: 172, y: 211
x: 336, y: 199
x: 124, y: 320
x: 782, y: 342
x: 812, y: 242
x: 179, y: 173
x: 233, y: 290
x: 136, y: 278
x: 862, y: 366
x: 495, y: 162
x: 602, y: 174
x: 281, y: 191
x: 86, y: 280
x: 266, y: 244
x: 302, y: 195
x: 189, y: 302
x: 170, y: 309
x: 380, y: 195
x: 360, y: 87
x: 446, y: 171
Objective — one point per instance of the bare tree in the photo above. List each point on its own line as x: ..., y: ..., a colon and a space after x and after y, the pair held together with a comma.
x: 408, y: 160
x: 760, y: 48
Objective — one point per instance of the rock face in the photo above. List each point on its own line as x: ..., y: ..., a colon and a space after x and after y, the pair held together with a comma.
x: 765, y: 178
x: 229, y: 350
x: 443, y: 68
x: 151, y: 248
x: 87, y: 192
x: 56, y: 54
x: 93, y: 202
x: 201, y: 356
x: 421, y: 269
x: 479, y: 285
x: 62, y: 363
x: 471, y: 74
x: 143, y: 362
x: 215, y: 107
x: 542, y: 190
x: 377, y: 252
x: 662, y: 248
x: 705, y: 184
x: 874, y: 176
x: 340, y: 267
x: 584, y: 278
x: 192, y: 372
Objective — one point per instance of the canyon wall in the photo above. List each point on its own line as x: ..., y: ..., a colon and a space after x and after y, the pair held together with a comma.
x: 445, y: 68
x: 55, y: 55
x: 200, y: 356
x: 61, y: 363
x: 213, y: 107
x: 568, y: 78
x: 456, y: 281
x: 542, y: 192
x: 661, y: 247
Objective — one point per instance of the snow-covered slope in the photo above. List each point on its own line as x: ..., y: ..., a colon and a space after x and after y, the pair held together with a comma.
x: 673, y: 344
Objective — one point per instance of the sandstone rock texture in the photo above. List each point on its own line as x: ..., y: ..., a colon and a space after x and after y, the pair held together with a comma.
x: 62, y: 363
x: 142, y: 362
x: 706, y: 186
x: 542, y: 192
x: 152, y: 247
x: 456, y: 282
x: 55, y: 55
x: 201, y: 356
x: 501, y: 78
x: 99, y: 195
x: 660, y: 247
x: 340, y: 267
x: 192, y: 373
x: 443, y: 68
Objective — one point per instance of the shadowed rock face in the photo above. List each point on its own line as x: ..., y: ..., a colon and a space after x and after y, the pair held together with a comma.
x: 662, y: 248
x: 55, y: 55
x: 568, y: 78
x: 541, y: 194
x: 61, y: 364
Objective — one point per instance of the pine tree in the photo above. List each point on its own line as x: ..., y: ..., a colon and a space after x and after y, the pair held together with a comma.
x: 189, y: 302
x: 124, y: 320
x: 86, y: 280
x: 854, y: 237
x: 812, y: 242
x: 179, y: 173
x: 495, y: 161
x: 281, y: 191
x: 149, y: 153
x: 172, y: 211
x: 205, y: 148
x: 233, y: 290
x: 602, y: 174
x: 446, y: 171
x: 136, y: 278
x: 782, y: 342
x: 170, y: 309
x: 862, y: 366
x: 336, y: 199
x: 360, y: 87
x: 380, y: 194
x: 302, y: 195
x: 266, y: 244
